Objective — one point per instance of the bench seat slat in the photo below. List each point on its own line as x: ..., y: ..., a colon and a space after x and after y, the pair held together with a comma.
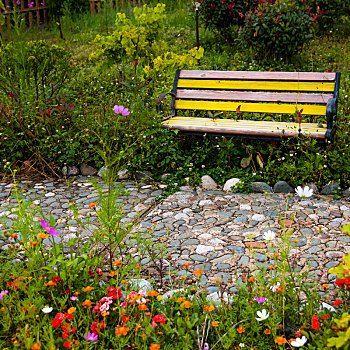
x: 247, y: 75
x: 256, y: 85
x: 269, y: 123
x: 238, y: 128
x: 253, y: 96
x: 250, y: 107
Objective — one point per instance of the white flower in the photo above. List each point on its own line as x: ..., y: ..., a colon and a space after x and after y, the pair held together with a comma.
x: 269, y: 235
x: 304, y: 192
x: 263, y: 315
x: 241, y: 345
x: 46, y: 309
x: 274, y: 288
x: 299, y: 342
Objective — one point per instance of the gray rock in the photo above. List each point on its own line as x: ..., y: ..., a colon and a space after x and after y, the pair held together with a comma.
x: 123, y: 174
x: 260, y: 187
x: 236, y: 249
x: 137, y: 284
x: 282, y: 187
x: 312, y: 186
x: 332, y: 264
x: 346, y: 193
x: 244, y: 260
x: 143, y: 175
x: 104, y: 171
x: 208, y: 183
x: 87, y: 170
x: 198, y: 257
x: 331, y: 188
x: 70, y: 170
x: 259, y: 257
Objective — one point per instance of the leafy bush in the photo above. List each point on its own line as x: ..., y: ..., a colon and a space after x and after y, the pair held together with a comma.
x: 221, y: 15
x: 34, y: 70
x: 276, y: 30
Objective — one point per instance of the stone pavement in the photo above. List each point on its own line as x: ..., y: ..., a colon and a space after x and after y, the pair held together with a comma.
x: 205, y: 228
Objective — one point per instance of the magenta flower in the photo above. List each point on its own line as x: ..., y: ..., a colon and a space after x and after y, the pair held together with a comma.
x: 31, y: 4
x: 3, y: 293
x: 206, y: 346
x: 91, y: 336
x: 73, y: 298
x: 18, y: 2
x: 53, y: 232
x: 120, y: 109
x: 45, y: 225
x: 260, y: 299
x: 86, y: 130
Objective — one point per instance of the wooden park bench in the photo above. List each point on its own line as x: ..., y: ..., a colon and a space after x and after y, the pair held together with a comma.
x: 307, y: 100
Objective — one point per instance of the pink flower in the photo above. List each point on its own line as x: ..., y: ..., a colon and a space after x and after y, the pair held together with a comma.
x: 120, y: 109
x: 142, y: 292
x: 31, y: 4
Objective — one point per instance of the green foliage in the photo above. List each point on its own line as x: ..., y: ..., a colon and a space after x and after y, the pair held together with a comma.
x: 2, y: 17
x: 276, y: 29
x: 221, y: 15
x: 137, y: 38
x: 34, y: 70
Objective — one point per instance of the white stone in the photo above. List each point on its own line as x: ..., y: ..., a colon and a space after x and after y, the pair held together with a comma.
x: 258, y: 217
x: 5, y: 213
x: 162, y: 186
x: 137, y: 284
x: 168, y: 214
x: 216, y: 299
x: 187, y: 210
x: 231, y: 184
x: 169, y: 294
x: 245, y: 207
x: 313, y: 217
x: 205, y: 236
x: 204, y: 249
x: 216, y: 241
x: 181, y: 216
x: 305, y: 203
x: 72, y: 229
x: 208, y: 183
x: 49, y: 194
x: 344, y: 207
x: 205, y: 202
x: 146, y: 186
x: 140, y: 207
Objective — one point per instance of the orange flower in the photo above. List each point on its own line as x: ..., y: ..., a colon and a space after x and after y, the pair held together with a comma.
x: 295, y: 240
x: 325, y: 286
x: 76, y: 293
x: 121, y: 331
x: 137, y: 267
x: 280, y: 340
x: 154, y: 347
x: 209, y: 308
x: 36, y: 346
x: 187, y: 265
x: 42, y: 236
x: 290, y: 340
x: 113, y: 273
x: 124, y: 281
x: 92, y: 205
x: 216, y: 279
x: 198, y: 272
x: 215, y: 323
x: 279, y: 289
x: 137, y: 328
x: 186, y: 304
x: 160, y: 333
x: 87, y: 303
x: 88, y: 289
x: 240, y: 329
x: 118, y: 263
x: 183, y: 277
x: 142, y: 307
x: 50, y: 283
x: 267, y: 331
x: 181, y: 300
x: 34, y: 243
x: 251, y: 279
x: 14, y: 236
x: 71, y: 310
x: 152, y: 293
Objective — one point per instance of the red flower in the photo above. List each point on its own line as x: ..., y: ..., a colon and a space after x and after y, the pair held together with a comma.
x: 66, y: 344
x: 337, y: 302
x: 65, y: 335
x: 212, y: 6
x: 315, y: 318
x: 56, y: 279
x: 324, y: 317
x: 159, y: 318
x: 99, y: 271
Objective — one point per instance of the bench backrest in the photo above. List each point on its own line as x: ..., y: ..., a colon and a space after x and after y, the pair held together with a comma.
x: 263, y: 92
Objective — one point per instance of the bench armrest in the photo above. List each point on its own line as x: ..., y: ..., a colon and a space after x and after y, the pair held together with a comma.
x: 160, y: 99
x: 331, y: 111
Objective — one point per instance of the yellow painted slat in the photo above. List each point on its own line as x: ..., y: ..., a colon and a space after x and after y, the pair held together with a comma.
x: 189, y: 119
x: 255, y: 85
x: 250, y: 107
x: 240, y: 126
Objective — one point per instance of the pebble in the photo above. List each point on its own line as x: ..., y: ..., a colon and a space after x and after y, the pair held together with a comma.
x: 209, y: 229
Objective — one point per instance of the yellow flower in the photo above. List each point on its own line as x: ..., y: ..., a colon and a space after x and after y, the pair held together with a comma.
x: 71, y: 310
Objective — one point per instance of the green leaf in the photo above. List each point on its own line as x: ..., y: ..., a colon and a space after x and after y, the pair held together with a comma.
x: 346, y: 229
x: 245, y: 162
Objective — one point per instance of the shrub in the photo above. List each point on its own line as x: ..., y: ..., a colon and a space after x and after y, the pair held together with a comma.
x: 221, y: 15
x: 275, y: 30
